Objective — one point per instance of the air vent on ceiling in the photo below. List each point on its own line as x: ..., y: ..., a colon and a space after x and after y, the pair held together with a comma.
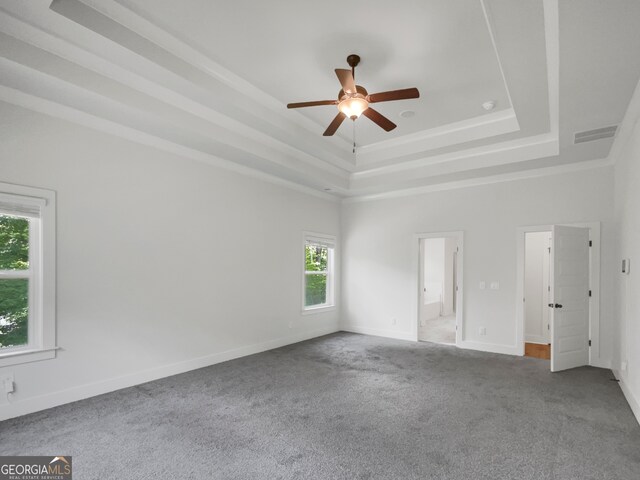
x: 597, y: 134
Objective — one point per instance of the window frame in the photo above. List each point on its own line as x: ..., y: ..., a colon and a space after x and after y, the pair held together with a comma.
x: 330, y: 242
x: 41, y: 341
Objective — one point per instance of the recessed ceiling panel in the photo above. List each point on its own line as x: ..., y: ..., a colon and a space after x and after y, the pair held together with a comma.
x: 289, y: 49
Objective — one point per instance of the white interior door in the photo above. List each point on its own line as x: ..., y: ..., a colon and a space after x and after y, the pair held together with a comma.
x: 570, y: 294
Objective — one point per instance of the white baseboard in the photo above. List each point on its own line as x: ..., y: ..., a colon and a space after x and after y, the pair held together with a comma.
x: 54, y: 399
x: 42, y: 402
x: 628, y: 394
x: 479, y: 346
x: 467, y: 344
x: 600, y: 363
x: 376, y: 332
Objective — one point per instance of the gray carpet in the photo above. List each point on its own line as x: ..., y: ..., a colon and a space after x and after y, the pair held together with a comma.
x: 348, y: 406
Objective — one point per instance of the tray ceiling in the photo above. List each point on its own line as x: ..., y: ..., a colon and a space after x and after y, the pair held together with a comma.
x: 209, y: 80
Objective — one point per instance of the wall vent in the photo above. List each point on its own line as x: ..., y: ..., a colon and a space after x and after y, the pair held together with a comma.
x: 597, y: 134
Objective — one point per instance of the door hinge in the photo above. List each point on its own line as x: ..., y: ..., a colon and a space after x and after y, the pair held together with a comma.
x: 589, y: 292
x: 589, y: 342
x: 590, y: 243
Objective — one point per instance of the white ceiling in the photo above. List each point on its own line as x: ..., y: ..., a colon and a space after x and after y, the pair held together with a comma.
x: 209, y: 80
x: 290, y: 51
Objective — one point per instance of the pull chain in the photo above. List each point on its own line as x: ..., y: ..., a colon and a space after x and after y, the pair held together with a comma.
x: 354, y: 137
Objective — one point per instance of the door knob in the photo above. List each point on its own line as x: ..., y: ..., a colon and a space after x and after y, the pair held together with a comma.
x: 557, y: 305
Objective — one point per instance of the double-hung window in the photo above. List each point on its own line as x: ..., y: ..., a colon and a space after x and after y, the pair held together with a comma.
x: 319, y: 277
x: 27, y: 292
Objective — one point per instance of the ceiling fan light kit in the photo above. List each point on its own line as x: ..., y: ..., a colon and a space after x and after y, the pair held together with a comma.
x: 354, y: 100
x: 353, y: 106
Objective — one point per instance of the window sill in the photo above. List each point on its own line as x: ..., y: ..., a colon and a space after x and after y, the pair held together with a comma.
x: 320, y: 309
x: 27, y: 356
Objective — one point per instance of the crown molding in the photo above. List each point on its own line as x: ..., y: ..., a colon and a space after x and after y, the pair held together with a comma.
x: 139, y: 55
x: 39, y: 85
x: 485, y: 126
x: 511, y: 151
x: 53, y: 109
x: 488, y: 180
x: 144, y: 27
x: 121, y: 65
x: 490, y: 125
x: 519, y: 150
x: 462, y: 132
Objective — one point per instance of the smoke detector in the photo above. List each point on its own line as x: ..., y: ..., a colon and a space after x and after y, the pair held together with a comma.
x: 489, y: 105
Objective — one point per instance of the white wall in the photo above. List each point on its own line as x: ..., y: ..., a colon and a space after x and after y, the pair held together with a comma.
x: 536, y: 277
x: 447, y: 295
x: 380, y: 267
x: 164, y: 264
x: 438, y: 271
x: 433, y: 268
x: 139, y: 298
x: 627, y: 215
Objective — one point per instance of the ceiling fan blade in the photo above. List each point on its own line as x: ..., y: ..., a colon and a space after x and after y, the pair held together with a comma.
x: 378, y: 118
x: 346, y: 80
x: 333, y: 126
x: 312, y: 104
x: 394, y: 95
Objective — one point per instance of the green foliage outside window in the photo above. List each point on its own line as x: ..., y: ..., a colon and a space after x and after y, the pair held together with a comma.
x: 316, y: 260
x: 14, y: 293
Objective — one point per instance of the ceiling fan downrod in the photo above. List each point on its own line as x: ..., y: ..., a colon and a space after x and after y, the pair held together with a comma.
x: 353, y: 60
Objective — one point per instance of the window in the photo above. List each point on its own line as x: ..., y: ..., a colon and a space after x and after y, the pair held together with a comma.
x: 15, y: 280
x: 319, y: 280
x: 27, y: 298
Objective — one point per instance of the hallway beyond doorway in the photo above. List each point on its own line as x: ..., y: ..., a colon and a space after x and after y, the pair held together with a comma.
x: 439, y: 330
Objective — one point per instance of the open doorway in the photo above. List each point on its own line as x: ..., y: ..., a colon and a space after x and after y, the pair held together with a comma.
x: 438, y: 303
x: 571, y: 316
x: 537, y: 294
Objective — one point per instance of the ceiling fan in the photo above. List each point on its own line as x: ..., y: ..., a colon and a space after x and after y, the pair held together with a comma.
x: 353, y: 100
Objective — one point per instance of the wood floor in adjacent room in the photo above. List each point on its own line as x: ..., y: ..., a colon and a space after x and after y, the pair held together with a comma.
x: 348, y: 406
x: 537, y: 350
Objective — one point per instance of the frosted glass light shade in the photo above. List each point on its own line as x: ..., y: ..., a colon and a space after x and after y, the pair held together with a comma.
x: 353, y: 107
